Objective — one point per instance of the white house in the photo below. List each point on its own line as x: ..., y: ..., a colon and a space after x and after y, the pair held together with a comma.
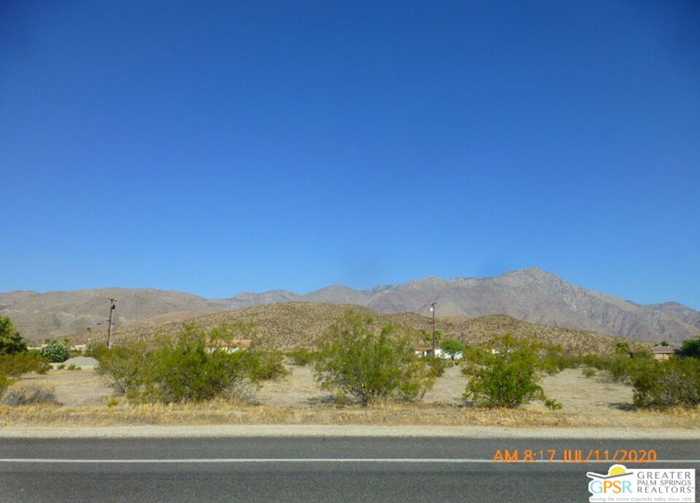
x: 425, y: 351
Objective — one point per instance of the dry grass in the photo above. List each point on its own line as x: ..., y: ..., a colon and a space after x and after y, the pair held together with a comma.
x: 27, y: 394
x: 74, y: 388
x: 220, y: 412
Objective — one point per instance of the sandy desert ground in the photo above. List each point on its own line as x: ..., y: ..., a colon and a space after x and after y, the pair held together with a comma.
x: 577, y: 394
x: 88, y: 399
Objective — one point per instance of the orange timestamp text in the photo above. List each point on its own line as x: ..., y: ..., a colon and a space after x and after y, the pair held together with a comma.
x: 575, y: 455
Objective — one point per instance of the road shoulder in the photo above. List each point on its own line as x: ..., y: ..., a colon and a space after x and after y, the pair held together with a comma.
x: 280, y: 430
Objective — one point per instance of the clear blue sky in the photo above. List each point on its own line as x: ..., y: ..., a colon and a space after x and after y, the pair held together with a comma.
x: 228, y: 146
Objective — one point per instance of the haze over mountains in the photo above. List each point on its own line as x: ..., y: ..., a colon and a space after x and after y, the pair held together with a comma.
x: 530, y: 294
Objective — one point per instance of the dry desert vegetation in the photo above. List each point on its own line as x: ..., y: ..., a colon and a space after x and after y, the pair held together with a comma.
x: 587, y: 398
x: 300, y: 324
x: 87, y: 398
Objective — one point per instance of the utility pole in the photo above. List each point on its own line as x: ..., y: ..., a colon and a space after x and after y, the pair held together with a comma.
x: 112, y: 307
x: 432, y: 310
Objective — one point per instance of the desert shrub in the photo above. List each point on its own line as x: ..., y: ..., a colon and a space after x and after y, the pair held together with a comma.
x: 594, y: 360
x: 183, y: 370
x: 367, y: 362
x: 476, y: 355
x: 185, y: 367
x: 552, y: 404
x: 667, y: 384
x: 96, y: 350
x: 452, y: 347
x: 126, y: 365
x: 507, y: 378
x: 625, y: 369
x: 553, y: 359
x: 4, y: 383
x: 16, y: 364
x: 436, y: 366
x: 589, y: 372
x: 263, y: 365
x: 426, y: 337
x: 56, y: 352
x: 690, y: 348
x: 620, y: 366
x: 549, y: 358
x: 29, y: 394
x: 301, y: 356
x: 10, y: 340
x: 623, y: 348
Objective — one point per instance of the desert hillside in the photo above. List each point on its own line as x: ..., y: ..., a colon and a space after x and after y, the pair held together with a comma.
x: 295, y: 324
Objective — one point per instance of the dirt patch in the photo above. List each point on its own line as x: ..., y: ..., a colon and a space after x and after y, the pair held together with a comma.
x: 448, y: 388
x: 74, y: 387
x: 577, y: 393
x: 587, y: 395
x: 298, y: 388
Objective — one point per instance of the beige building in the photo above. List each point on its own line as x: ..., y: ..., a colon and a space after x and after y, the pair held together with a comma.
x: 231, y: 346
x: 663, y: 352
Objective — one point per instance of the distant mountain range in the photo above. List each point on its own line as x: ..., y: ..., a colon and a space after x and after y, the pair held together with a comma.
x: 530, y: 294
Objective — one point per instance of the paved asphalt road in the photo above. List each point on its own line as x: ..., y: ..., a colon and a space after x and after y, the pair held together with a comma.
x: 304, y: 469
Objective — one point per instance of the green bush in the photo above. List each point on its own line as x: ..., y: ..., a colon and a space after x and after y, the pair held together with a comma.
x: 10, y: 340
x: 16, y: 364
x: 183, y: 370
x: 4, y: 383
x: 56, y: 352
x: 593, y: 360
x: 549, y: 358
x: 621, y: 366
x: 126, y: 365
x: 667, y: 384
x: 554, y: 359
x: 301, y: 357
x: 359, y: 359
x: 476, y: 355
x: 623, y: 348
x: 690, y: 348
x: 96, y: 350
x: 507, y: 378
x: 263, y: 365
x: 452, y: 347
x: 437, y: 366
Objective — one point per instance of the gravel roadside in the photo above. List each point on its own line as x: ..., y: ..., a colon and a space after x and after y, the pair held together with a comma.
x: 216, y: 431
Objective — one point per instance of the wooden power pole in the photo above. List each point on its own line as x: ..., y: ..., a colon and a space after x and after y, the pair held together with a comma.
x: 112, y: 307
x: 432, y: 310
